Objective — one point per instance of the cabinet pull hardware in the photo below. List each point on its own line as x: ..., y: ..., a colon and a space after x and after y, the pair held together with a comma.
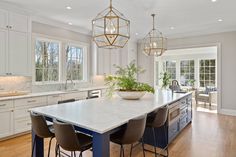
x: 1, y: 105
x: 28, y: 123
x: 31, y: 101
x: 7, y: 26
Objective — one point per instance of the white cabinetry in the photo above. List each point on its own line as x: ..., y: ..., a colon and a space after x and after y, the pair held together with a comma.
x: 14, y: 42
x: 3, y: 50
x: 3, y: 19
x: 6, y: 118
x: 18, y: 53
x: 22, y: 120
x: 53, y: 99
x: 107, y: 58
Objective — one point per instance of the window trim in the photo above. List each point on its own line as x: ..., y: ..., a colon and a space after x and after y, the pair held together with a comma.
x: 189, y: 66
x: 62, y: 59
x: 59, y: 58
x: 199, y: 86
x: 85, y: 60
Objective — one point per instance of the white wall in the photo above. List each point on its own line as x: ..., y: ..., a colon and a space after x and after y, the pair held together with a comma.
x: 227, y: 49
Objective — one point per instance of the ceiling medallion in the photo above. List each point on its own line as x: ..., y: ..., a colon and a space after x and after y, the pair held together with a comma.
x: 154, y: 43
x: 111, y: 29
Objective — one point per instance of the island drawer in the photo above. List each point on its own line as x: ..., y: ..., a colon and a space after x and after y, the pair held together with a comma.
x: 173, y: 131
x: 183, y: 122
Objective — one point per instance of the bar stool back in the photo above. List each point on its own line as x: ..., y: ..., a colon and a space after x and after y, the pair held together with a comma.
x: 69, y: 140
x: 158, y: 121
x: 41, y: 129
x: 132, y: 133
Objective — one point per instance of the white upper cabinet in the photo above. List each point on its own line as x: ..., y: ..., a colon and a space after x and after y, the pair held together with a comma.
x: 3, y: 19
x: 14, y: 44
x: 18, y: 22
x: 18, y: 53
x: 3, y: 50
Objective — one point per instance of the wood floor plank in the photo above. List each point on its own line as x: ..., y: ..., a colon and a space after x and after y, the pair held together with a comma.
x: 209, y: 135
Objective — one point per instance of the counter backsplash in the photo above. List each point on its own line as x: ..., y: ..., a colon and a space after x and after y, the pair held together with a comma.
x: 15, y: 83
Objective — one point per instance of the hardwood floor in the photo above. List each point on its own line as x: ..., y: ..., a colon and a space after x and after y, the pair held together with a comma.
x: 209, y: 135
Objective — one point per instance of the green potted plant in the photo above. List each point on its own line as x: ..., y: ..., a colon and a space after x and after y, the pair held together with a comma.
x: 125, y: 83
x: 166, y: 80
x: 191, y: 83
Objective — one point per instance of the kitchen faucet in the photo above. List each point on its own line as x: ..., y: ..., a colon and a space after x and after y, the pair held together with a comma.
x: 66, y: 84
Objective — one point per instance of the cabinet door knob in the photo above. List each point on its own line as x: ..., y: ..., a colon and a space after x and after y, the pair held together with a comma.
x: 7, y: 26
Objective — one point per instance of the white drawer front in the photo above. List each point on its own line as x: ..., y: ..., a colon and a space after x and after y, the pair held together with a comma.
x: 23, y: 112
x: 53, y: 99
x: 22, y: 125
x: 77, y: 96
x: 30, y: 102
x: 6, y: 105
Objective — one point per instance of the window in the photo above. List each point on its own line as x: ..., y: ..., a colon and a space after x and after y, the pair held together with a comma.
x: 207, y: 73
x: 186, y: 72
x: 170, y: 68
x: 74, y: 63
x: 46, y: 61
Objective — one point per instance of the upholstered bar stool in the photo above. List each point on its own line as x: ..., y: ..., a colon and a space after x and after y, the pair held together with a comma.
x: 131, y: 133
x: 41, y: 129
x: 158, y: 120
x: 70, y: 140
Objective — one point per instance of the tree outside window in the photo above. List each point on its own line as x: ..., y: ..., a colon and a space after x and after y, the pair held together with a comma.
x: 186, y: 72
x: 46, y: 61
x: 170, y: 68
x: 207, y: 73
x: 74, y: 62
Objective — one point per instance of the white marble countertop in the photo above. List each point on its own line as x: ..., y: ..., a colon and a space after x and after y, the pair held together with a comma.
x: 104, y: 114
x: 37, y: 94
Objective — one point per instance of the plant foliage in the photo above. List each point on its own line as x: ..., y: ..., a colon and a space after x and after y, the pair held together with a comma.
x: 125, y: 79
x: 166, y: 80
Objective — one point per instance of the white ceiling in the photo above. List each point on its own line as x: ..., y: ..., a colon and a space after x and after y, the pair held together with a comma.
x: 188, y: 17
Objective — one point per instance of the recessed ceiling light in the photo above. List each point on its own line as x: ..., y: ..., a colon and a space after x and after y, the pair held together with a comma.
x: 220, y: 20
x: 136, y: 33
x: 172, y: 28
x: 69, y: 23
x: 213, y: 0
x: 68, y: 8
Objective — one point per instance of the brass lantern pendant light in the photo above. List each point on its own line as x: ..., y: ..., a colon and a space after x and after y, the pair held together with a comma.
x: 111, y: 29
x: 154, y: 43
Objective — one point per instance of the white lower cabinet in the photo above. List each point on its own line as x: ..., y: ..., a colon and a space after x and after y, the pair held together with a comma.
x: 6, y: 118
x: 22, y: 122
x: 53, y: 99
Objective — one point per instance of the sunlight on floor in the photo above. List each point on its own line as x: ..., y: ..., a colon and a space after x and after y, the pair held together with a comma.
x: 202, y: 107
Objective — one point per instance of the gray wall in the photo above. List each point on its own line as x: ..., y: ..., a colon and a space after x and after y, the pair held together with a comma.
x: 227, y: 43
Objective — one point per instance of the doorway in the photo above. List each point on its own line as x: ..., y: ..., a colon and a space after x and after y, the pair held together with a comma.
x: 196, y: 69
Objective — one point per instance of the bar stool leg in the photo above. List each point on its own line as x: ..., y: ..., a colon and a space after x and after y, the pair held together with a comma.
x: 166, y: 138
x: 155, y: 142
x: 33, y: 148
x: 49, y: 148
x: 143, y: 147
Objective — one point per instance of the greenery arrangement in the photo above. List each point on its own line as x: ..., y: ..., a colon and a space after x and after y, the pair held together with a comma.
x: 166, y: 80
x: 191, y: 83
x: 125, y: 80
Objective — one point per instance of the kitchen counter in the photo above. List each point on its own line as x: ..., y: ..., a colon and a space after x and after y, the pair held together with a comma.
x: 52, y: 93
x: 104, y: 114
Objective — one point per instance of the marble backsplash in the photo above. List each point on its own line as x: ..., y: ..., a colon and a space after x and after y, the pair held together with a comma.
x: 15, y: 83
x: 20, y: 83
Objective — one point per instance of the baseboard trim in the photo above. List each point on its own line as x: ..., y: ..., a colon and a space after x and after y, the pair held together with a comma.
x: 228, y: 112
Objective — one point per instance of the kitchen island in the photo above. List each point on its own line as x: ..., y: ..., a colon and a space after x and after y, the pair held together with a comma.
x: 102, y: 117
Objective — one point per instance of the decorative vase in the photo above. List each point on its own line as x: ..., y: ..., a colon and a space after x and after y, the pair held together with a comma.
x: 131, y: 95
